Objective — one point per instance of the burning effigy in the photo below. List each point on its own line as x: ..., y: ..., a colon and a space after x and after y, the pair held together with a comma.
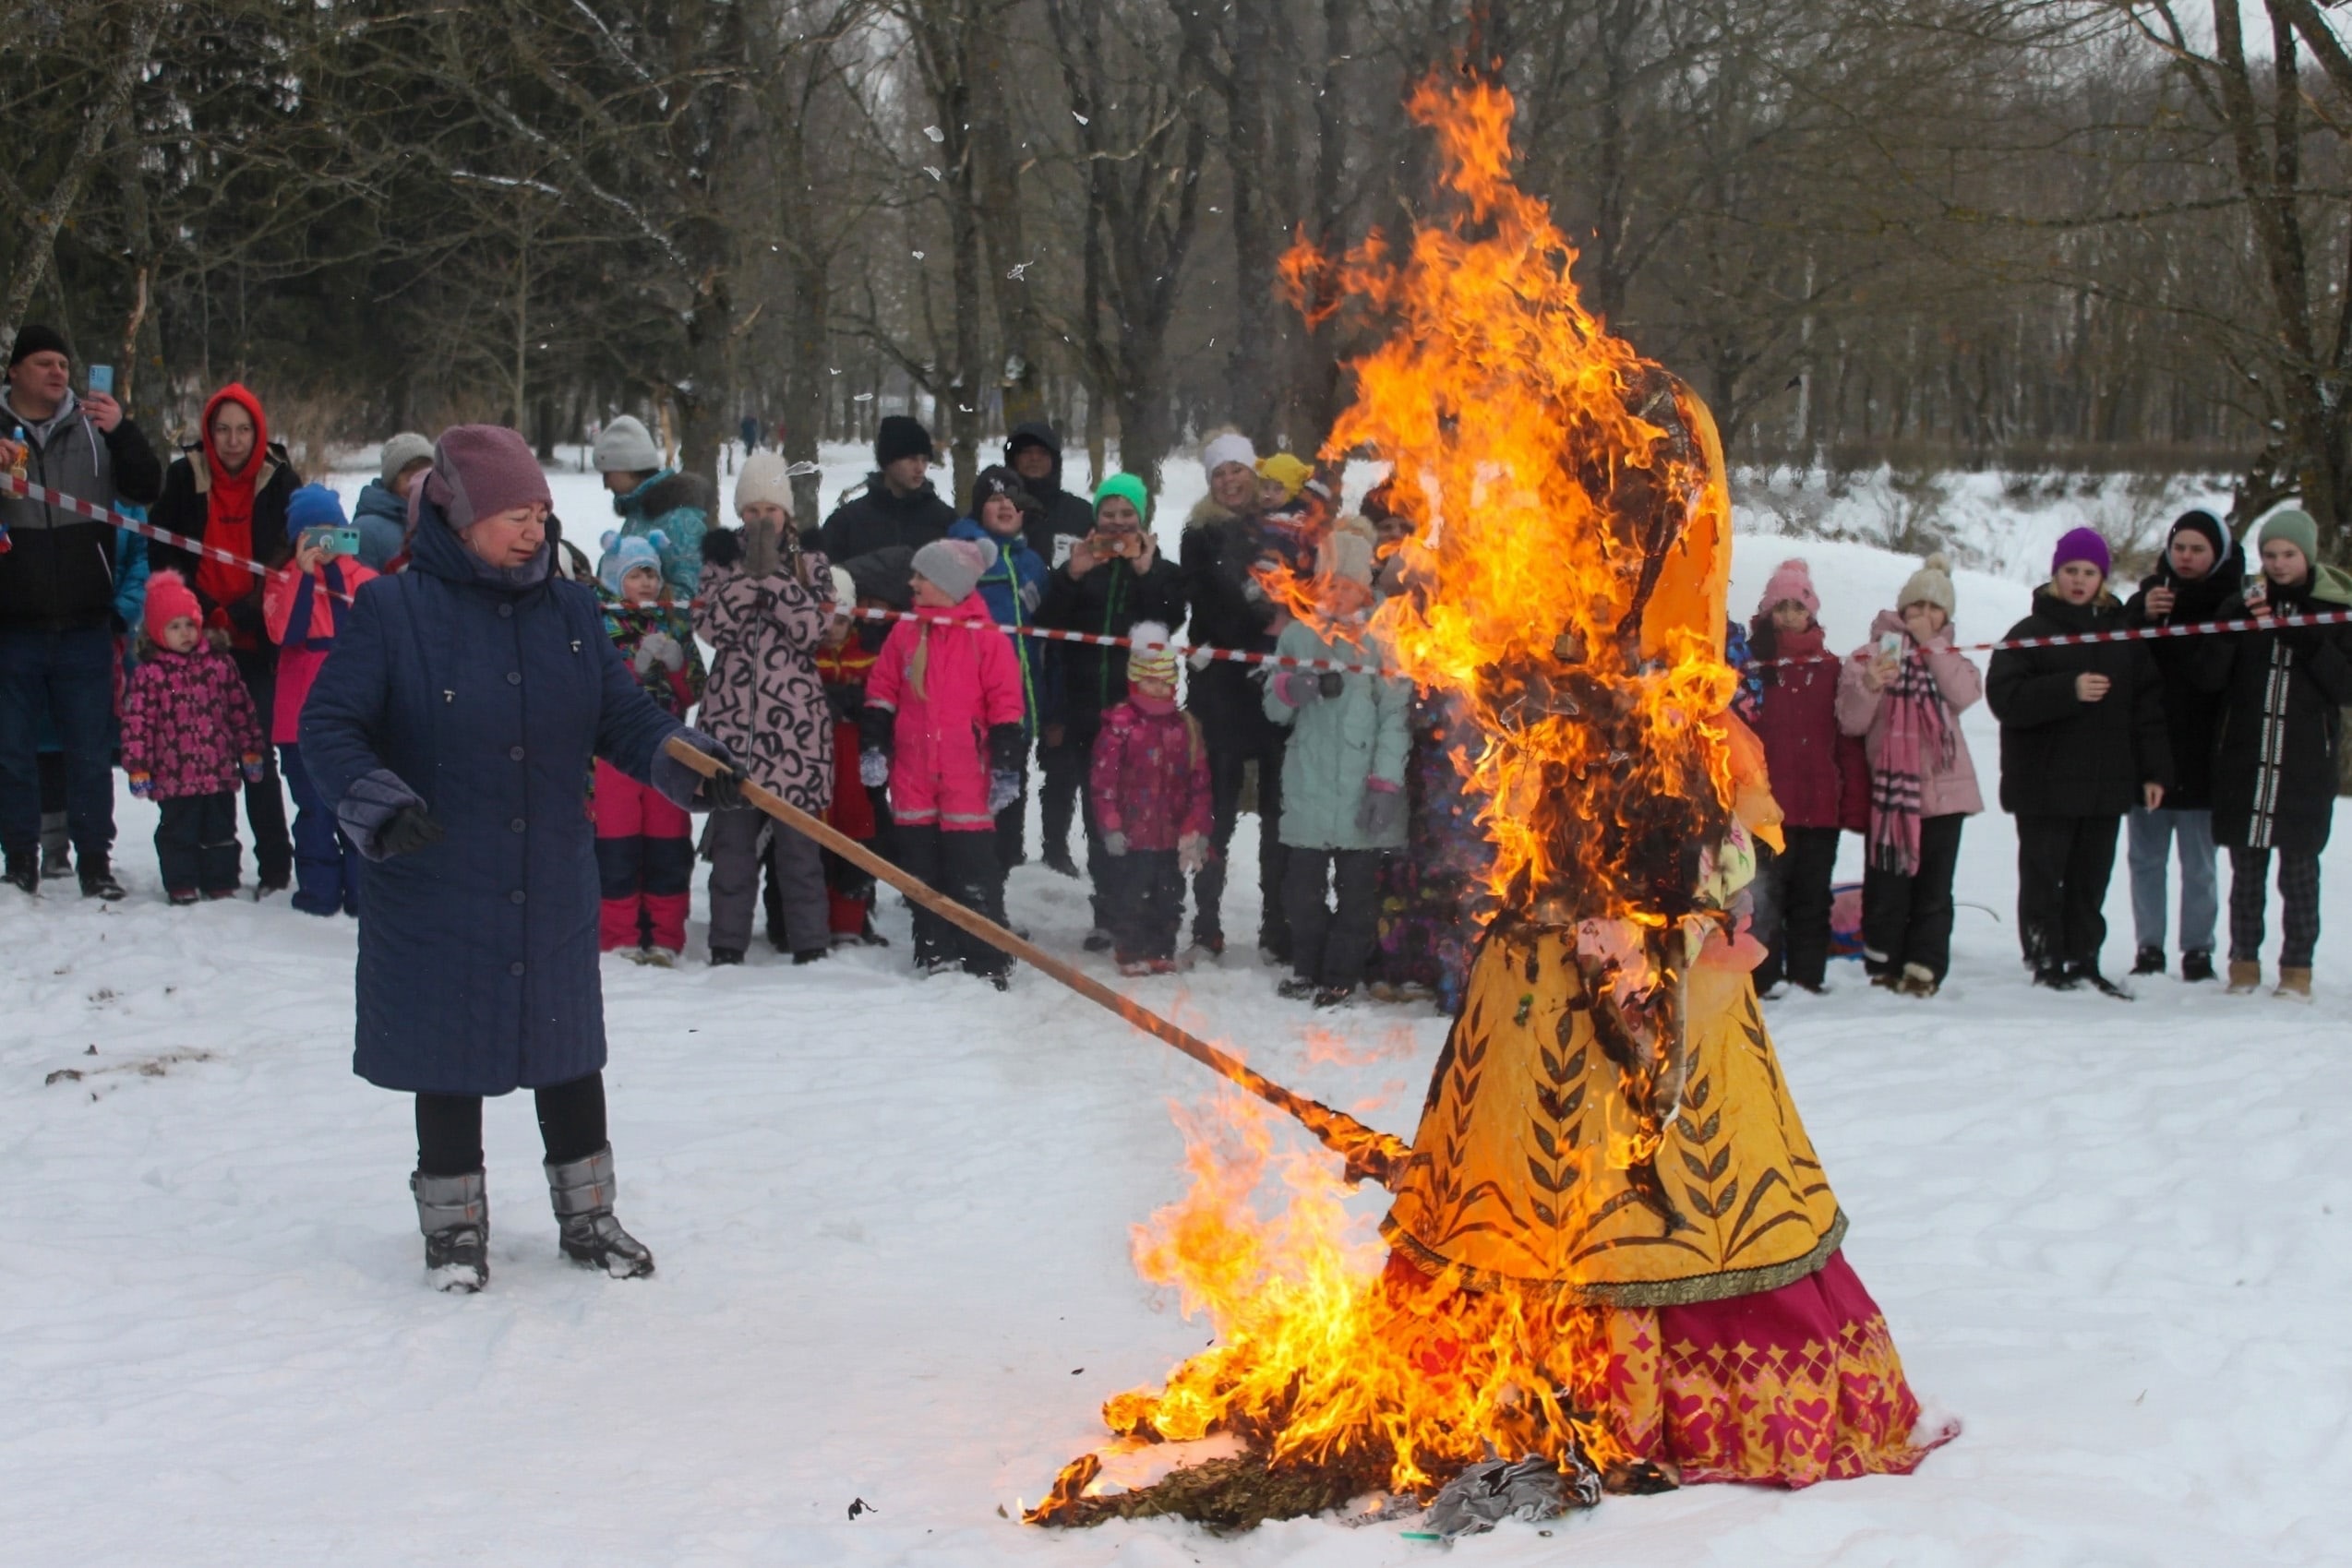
x: 1611, y: 1251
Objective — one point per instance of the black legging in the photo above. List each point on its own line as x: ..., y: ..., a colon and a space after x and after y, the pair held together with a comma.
x: 449, y: 1127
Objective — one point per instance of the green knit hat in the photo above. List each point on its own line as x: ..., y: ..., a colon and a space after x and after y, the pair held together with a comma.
x: 1128, y: 485
x: 2297, y: 527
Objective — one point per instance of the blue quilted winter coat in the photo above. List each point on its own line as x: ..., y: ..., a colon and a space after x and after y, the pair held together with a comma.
x: 484, y: 695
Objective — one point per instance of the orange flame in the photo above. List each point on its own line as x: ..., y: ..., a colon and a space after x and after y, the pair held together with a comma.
x: 1322, y: 1358
x: 1567, y: 586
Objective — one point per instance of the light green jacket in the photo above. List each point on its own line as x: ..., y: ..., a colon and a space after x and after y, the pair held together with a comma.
x: 1338, y: 742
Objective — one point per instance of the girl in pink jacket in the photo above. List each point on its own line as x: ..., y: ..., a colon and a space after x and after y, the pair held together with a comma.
x: 303, y: 606
x: 1903, y: 693
x: 189, y: 737
x: 1149, y: 789
x: 942, y: 727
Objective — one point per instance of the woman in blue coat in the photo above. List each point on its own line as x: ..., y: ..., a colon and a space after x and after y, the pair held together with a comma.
x: 453, y: 729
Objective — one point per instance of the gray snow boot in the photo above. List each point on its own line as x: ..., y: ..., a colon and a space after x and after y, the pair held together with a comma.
x: 582, y: 1192
x: 56, y: 852
x: 454, y: 1214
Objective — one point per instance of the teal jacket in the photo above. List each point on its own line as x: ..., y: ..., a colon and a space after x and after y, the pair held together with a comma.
x: 678, y: 507
x: 1338, y: 742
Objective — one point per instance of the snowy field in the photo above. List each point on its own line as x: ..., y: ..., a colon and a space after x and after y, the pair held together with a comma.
x: 892, y: 1222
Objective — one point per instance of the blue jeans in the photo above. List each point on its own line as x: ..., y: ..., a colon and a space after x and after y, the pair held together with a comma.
x: 68, y: 676
x: 326, y: 866
x: 2151, y: 834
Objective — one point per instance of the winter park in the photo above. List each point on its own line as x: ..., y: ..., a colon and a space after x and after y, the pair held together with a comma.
x: 1281, y: 782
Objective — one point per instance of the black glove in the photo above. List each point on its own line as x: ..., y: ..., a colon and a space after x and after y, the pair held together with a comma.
x: 412, y: 828
x: 1008, y: 748
x: 722, y: 547
x: 876, y: 729
x: 723, y: 791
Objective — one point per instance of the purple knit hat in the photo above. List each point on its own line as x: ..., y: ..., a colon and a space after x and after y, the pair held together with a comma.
x: 482, y: 470
x: 2082, y: 545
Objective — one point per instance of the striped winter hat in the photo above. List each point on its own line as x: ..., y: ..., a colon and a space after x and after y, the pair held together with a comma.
x: 1157, y: 665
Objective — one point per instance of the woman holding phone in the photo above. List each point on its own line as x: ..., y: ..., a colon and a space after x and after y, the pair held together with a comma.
x: 1903, y: 693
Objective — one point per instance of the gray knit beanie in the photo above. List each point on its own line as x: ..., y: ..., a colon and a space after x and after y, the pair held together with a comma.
x: 955, y: 565
x: 400, y: 454
x: 627, y: 446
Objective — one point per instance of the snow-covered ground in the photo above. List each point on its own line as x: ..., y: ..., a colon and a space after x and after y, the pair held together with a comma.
x: 891, y: 1221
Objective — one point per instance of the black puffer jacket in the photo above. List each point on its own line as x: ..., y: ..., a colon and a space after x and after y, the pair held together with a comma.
x: 2063, y: 757
x: 877, y: 519
x: 1066, y: 515
x: 1227, y: 610
x: 58, y: 574
x: 2282, y: 695
x: 2192, y: 708
x: 1108, y: 600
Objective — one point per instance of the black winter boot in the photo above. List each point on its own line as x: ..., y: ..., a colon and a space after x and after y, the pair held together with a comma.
x: 2148, y: 961
x: 98, y: 879
x: 583, y: 1192
x: 2196, y: 967
x: 24, y: 870
x: 454, y: 1214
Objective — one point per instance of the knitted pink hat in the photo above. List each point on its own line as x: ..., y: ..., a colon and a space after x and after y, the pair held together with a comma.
x: 1791, y: 579
x: 168, y: 598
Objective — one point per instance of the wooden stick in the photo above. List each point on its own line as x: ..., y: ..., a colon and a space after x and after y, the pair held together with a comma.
x: 1375, y: 1155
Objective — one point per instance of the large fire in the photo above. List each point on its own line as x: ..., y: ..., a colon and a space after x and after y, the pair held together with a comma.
x: 1566, y: 584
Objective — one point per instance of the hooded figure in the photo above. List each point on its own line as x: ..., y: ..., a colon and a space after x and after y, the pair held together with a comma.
x: 240, y: 509
x: 1034, y: 446
x: 452, y: 733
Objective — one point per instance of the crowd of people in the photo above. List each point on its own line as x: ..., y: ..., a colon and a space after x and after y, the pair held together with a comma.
x: 925, y: 736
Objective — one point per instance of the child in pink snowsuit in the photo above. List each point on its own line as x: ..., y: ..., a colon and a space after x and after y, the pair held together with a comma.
x: 189, y: 733
x: 304, y: 608
x: 943, y: 727
x: 1149, y: 789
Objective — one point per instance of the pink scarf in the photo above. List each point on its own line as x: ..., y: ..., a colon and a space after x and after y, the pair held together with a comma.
x: 1918, y: 728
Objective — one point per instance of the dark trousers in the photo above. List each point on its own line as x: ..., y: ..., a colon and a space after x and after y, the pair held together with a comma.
x: 1329, y: 948
x: 196, y: 843
x: 1792, y: 909
x: 2298, y: 890
x: 1146, y: 902
x: 2063, y: 865
x: 1908, y: 919
x: 1013, y: 830
x: 69, y: 677
x: 963, y: 866
x: 326, y: 866
x: 1064, y: 767
x: 1260, y: 742
x: 265, y: 802
x: 449, y: 1127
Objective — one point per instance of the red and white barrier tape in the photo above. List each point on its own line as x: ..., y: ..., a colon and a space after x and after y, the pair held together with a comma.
x: 12, y: 486
x: 24, y: 489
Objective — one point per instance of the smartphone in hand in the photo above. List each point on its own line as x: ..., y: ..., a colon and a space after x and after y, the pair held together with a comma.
x: 102, y: 379
x: 1890, y: 644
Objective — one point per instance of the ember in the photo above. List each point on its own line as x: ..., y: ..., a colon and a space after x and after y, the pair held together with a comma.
x: 1607, y: 1139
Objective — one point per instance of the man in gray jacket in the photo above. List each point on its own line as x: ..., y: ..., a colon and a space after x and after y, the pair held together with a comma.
x: 56, y: 604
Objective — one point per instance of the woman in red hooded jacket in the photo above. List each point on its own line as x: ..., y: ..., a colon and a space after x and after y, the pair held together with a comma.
x: 229, y: 489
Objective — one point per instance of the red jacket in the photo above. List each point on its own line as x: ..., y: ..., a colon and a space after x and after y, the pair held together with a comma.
x: 1150, y: 777
x: 302, y: 651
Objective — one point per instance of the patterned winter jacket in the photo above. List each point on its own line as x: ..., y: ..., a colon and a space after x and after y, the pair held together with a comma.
x: 673, y: 691
x: 1150, y: 777
x: 763, y: 701
x: 189, y: 722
